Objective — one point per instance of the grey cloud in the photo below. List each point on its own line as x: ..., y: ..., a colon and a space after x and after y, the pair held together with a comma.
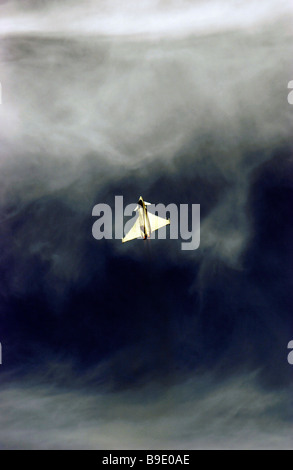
x: 188, y: 113
x: 81, y: 113
x: 130, y: 103
x: 150, y: 18
x: 237, y: 414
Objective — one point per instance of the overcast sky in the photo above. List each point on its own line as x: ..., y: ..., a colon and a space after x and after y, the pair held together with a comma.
x: 182, y: 102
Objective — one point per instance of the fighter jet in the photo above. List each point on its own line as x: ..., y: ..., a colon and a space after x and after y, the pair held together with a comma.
x: 145, y: 224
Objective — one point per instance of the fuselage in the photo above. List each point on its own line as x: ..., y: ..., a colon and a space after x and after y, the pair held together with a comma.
x: 145, y: 226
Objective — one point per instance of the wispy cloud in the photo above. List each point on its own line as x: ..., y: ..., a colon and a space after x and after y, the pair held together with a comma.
x: 144, y: 18
x: 186, y: 100
x: 194, y: 415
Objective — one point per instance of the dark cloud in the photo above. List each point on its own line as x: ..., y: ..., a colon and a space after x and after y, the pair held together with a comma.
x: 185, y: 118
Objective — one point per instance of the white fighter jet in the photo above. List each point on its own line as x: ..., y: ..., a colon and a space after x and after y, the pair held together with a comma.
x: 145, y: 224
